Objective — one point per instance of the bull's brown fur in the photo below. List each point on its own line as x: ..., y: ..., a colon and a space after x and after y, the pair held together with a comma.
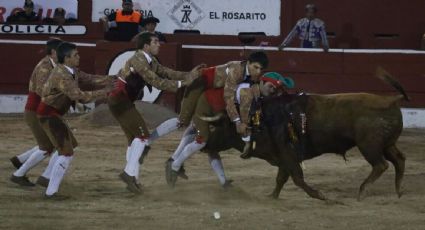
x: 335, y: 123
x: 338, y: 122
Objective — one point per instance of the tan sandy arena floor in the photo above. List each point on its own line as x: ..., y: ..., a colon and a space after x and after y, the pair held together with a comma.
x: 100, y: 200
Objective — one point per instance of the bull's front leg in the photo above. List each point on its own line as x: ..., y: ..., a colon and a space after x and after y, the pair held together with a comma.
x: 288, y: 160
x: 298, y: 178
x: 281, y: 179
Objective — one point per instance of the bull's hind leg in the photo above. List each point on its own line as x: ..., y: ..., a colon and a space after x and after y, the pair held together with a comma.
x: 281, y: 179
x: 379, y: 165
x: 398, y: 159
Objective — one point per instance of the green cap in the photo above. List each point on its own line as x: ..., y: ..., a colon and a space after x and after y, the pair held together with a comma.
x: 286, y: 81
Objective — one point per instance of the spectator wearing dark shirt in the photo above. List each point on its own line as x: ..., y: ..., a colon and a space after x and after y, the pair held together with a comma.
x: 59, y: 18
x: 149, y: 25
x: 26, y: 15
x: 123, y: 24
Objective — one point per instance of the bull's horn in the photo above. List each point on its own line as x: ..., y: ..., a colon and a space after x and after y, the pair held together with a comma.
x: 213, y: 118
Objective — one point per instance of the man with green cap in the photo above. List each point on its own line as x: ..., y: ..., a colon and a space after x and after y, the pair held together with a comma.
x: 271, y: 84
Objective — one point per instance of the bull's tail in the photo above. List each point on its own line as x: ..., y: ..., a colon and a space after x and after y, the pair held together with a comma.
x: 382, y: 74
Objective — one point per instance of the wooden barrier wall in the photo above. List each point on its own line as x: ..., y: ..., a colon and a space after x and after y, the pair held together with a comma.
x: 18, y: 61
x: 399, y: 24
x: 313, y: 72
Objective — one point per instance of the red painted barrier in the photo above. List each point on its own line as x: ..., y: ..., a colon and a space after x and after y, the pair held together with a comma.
x: 363, y: 24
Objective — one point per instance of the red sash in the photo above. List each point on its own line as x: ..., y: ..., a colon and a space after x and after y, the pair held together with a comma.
x: 32, y: 102
x: 214, y: 95
x: 209, y: 74
x: 47, y: 110
x: 215, y: 98
x: 119, y: 88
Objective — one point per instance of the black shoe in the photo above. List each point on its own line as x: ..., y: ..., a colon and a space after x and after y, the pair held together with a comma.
x: 227, y: 184
x: 168, y: 170
x: 173, y: 178
x: 247, y: 151
x: 21, y: 180
x: 15, y: 161
x: 56, y: 197
x: 43, y: 181
x: 182, y: 173
x: 144, y: 154
x: 132, y: 185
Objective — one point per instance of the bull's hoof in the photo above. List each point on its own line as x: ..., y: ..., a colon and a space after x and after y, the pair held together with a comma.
x: 361, y: 196
x: 399, y: 190
x: 333, y: 202
x: 273, y: 196
x: 320, y: 196
x: 400, y: 193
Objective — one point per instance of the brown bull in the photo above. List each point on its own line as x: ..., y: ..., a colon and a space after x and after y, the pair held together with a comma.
x: 335, y: 124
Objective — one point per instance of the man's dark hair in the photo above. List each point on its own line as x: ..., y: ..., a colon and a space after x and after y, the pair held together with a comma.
x: 144, y: 38
x: 52, y: 44
x: 64, y: 50
x: 59, y: 12
x: 311, y: 6
x: 260, y: 57
x: 29, y: 4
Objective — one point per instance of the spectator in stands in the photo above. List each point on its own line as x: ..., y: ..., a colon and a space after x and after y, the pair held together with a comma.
x: 26, y: 15
x: 59, y: 17
x: 149, y: 25
x: 310, y: 30
x: 123, y: 24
